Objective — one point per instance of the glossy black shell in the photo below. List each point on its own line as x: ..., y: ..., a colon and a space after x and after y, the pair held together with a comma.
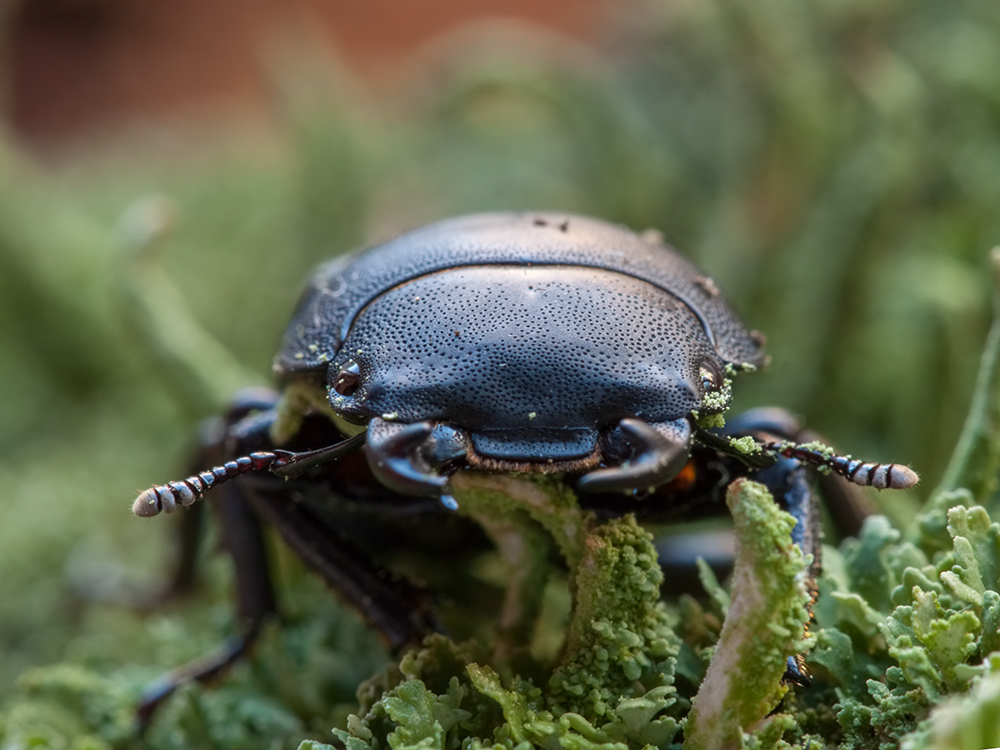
x: 519, y: 328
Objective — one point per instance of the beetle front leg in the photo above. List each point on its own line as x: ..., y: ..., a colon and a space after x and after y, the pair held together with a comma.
x: 789, y: 483
x: 396, y: 608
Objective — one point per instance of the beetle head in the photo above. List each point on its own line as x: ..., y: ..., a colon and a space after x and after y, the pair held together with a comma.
x: 526, y: 369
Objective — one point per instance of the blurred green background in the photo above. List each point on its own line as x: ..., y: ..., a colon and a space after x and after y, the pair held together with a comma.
x: 834, y: 165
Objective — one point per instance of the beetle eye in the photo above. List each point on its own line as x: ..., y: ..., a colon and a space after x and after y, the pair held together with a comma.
x: 711, y: 378
x: 348, y: 379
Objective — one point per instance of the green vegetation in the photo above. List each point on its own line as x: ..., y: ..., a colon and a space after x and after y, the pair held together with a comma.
x: 834, y: 165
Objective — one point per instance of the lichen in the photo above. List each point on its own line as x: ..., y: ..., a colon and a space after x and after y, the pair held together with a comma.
x: 719, y: 399
x: 745, y: 445
x: 905, y: 650
x: 764, y: 624
x: 68, y: 706
x: 612, y: 684
x: 710, y: 421
x: 619, y: 643
x: 964, y: 722
x: 922, y: 631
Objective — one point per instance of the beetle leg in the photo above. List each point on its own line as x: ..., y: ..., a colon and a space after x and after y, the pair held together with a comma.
x: 395, y: 607
x: 658, y: 452
x: 400, y: 456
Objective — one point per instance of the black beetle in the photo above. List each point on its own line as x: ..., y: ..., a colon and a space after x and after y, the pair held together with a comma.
x: 505, y: 343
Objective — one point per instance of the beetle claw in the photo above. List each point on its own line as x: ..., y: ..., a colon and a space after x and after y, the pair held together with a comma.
x: 660, y: 451
x: 398, y: 457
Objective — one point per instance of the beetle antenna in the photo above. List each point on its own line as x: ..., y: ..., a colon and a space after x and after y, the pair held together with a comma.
x: 864, y: 473
x: 164, y: 498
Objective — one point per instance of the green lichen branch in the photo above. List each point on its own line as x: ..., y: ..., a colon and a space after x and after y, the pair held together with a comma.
x: 964, y: 722
x: 764, y: 624
x: 524, y: 520
x: 975, y: 462
x: 906, y: 634
x: 620, y: 642
x: 612, y: 686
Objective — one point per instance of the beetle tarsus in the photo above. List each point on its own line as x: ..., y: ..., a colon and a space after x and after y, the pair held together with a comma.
x: 796, y: 672
x: 201, y: 670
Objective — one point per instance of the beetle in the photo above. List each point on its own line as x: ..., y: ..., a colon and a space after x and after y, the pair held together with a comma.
x: 498, y: 342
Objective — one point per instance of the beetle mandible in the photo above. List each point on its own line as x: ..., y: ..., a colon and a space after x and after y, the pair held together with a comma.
x: 501, y: 342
